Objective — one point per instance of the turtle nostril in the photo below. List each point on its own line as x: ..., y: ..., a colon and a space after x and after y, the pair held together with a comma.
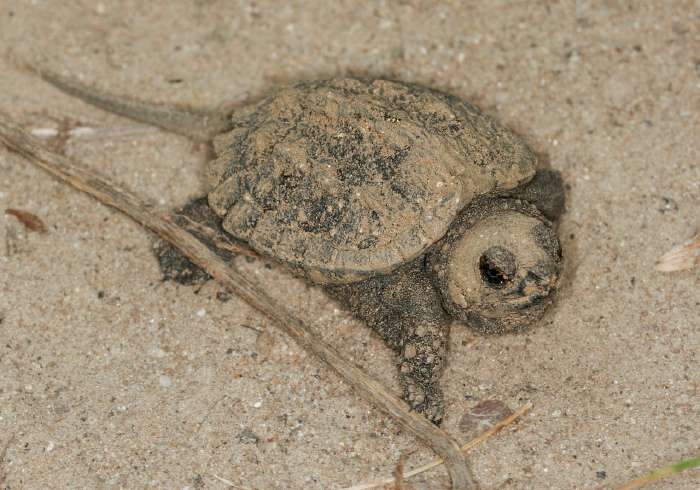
x: 543, y: 272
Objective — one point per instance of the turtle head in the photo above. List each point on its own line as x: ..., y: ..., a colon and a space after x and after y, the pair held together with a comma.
x: 498, y: 271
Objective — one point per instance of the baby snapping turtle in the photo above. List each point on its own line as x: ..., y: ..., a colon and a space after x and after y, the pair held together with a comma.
x: 406, y: 204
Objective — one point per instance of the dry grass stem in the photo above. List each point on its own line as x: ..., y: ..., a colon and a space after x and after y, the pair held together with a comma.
x: 96, y: 132
x: 466, y: 447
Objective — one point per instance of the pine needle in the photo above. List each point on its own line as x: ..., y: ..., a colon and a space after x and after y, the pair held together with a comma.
x: 669, y: 470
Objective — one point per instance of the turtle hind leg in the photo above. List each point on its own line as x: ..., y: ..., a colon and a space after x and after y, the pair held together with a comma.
x: 404, y: 309
x: 198, y: 124
x: 200, y: 221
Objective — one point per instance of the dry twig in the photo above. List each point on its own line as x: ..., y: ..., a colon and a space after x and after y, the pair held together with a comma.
x: 3, y: 453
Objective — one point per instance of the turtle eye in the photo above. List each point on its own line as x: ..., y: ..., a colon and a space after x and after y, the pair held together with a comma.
x: 497, y: 267
x: 491, y: 274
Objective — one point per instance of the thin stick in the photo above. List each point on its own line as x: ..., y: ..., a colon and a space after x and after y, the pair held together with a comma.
x: 466, y: 447
x: 3, y: 453
x: 160, y: 223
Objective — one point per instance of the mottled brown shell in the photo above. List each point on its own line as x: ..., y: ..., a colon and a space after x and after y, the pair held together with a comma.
x: 347, y: 178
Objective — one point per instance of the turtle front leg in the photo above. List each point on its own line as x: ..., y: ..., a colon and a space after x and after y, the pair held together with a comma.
x: 201, y: 221
x: 404, y: 309
x: 421, y: 364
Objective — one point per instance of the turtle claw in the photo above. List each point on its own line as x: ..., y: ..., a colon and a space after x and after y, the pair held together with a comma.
x: 431, y: 411
x: 424, y: 398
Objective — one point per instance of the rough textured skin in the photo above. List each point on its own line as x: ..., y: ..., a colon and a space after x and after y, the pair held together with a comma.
x: 545, y: 191
x: 347, y: 178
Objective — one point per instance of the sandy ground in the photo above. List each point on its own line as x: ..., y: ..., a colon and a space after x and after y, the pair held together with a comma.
x: 111, y: 378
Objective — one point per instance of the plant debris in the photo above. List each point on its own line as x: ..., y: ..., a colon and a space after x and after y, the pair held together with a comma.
x: 681, y: 257
x: 31, y: 221
x: 484, y: 416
